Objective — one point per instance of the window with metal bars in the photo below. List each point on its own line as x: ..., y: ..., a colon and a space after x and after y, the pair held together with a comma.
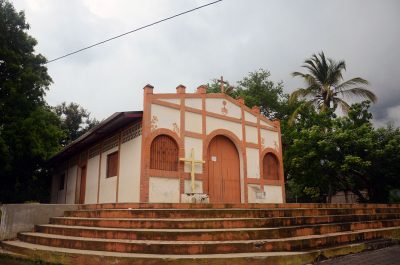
x: 164, y: 153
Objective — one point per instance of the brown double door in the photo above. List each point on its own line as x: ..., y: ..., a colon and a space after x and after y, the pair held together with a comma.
x: 223, y: 171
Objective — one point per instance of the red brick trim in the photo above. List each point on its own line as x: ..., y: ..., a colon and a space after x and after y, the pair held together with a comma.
x: 259, y: 152
x: 181, y: 166
x: 244, y: 145
x: 144, y: 181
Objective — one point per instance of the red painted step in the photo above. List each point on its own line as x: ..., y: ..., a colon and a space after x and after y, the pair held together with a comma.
x: 208, y: 247
x: 223, y: 213
x: 211, y: 234
x: 210, y: 223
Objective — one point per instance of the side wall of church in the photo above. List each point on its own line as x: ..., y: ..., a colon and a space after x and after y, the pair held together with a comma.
x: 192, y: 120
x: 129, y: 179
x: 100, y: 188
x: 92, y: 178
x: 64, y: 192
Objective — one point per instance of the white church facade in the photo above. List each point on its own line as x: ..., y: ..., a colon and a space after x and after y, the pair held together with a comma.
x: 179, y: 145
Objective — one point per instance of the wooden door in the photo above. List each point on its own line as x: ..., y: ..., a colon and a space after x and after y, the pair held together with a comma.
x: 223, y: 171
x: 83, y: 185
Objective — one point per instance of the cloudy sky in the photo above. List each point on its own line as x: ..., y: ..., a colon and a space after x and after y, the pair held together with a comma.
x: 231, y: 38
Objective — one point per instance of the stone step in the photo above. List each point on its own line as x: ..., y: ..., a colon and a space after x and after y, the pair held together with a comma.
x: 203, y: 223
x: 93, y: 257
x: 211, y: 234
x: 227, y: 205
x: 223, y: 213
x: 209, y: 247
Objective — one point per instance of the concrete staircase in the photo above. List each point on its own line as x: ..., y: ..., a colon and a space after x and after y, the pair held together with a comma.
x: 208, y: 233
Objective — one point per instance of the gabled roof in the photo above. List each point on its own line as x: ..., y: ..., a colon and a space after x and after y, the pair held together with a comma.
x: 108, y: 126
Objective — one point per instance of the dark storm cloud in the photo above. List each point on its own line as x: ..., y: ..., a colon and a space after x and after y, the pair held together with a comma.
x: 231, y: 38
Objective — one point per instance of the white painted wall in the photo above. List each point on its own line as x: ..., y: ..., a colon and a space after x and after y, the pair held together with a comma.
x: 166, y: 116
x: 164, y: 189
x: 253, y: 163
x: 250, y: 117
x: 197, y: 144
x: 252, y: 190
x: 193, y: 122
x: 108, y: 186
x: 193, y: 103
x: 198, y: 186
x: 251, y: 134
x: 266, y: 124
x: 216, y: 104
x: 273, y: 194
x: 92, y: 176
x: 214, y: 124
x: 71, y: 184
x: 129, y: 171
x: 60, y: 194
x: 270, y: 138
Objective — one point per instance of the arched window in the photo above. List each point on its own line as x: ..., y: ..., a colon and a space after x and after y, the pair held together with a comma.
x: 164, y: 153
x: 270, y: 167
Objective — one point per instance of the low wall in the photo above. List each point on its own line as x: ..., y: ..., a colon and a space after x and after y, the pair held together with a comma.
x: 17, y: 218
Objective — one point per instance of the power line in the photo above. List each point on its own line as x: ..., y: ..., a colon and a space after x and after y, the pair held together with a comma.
x: 129, y: 32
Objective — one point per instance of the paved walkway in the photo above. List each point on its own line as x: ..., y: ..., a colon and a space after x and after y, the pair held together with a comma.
x: 384, y: 256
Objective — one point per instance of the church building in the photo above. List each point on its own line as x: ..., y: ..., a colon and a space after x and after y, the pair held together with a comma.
x: 183, y: 147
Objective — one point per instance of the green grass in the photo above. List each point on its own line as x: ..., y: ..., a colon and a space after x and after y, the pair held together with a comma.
x: 8, y: 259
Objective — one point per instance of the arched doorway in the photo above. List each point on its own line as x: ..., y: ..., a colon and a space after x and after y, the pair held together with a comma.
x: 223, y: 171
x: 270, y: 167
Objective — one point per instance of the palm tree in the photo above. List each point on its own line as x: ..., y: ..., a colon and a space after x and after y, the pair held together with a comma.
x: 326, y: 89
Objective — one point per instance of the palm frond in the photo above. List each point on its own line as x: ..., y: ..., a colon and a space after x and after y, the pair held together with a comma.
x: 335, y: 72
x: 358, y: 92
x: 352, y: 82
x: 294, y: 74
x: 343, y: 104
x: 300, y: 93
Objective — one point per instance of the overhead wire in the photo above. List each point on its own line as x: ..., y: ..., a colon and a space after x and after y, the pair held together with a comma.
x: 132, y: 31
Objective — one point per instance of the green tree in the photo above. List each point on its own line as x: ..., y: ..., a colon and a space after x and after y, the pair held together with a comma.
x: 351, y: 156
x: 215, y: 87
x: 325, y: 86
x: 258, y: 90
x: 75, y: 121
x: 29, y: 131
